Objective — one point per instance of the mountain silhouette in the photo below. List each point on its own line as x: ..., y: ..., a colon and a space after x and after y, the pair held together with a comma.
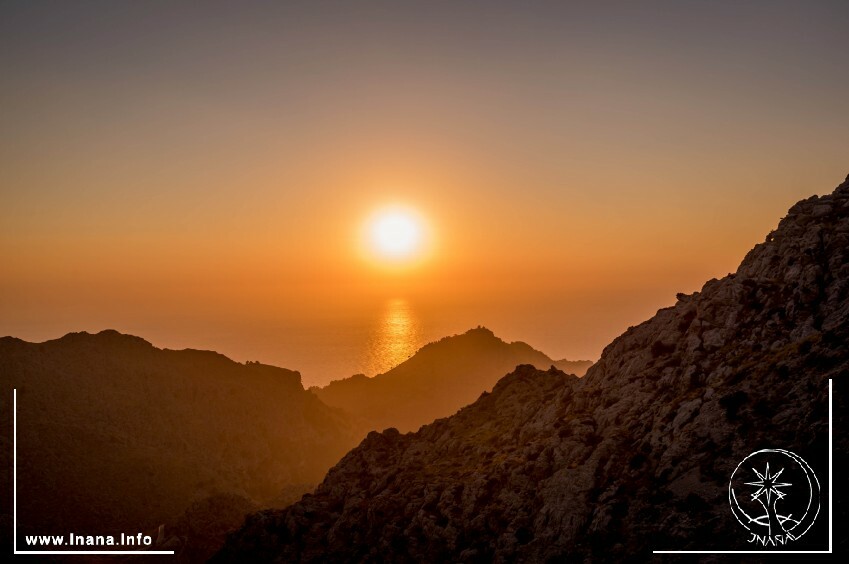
x: 116, y: 434
x: 438, y: 380
x: 634, y: 457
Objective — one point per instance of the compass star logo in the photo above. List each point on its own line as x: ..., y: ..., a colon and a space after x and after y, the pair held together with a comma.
x: 775, y: 495
x: 768, y: 494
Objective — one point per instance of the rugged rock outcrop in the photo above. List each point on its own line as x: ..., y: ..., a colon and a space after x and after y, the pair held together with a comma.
x: 576, y: 367
x: 634, y: 457
x: 439, y: 379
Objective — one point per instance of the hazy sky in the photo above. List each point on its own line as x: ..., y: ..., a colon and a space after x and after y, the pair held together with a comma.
x: 197, y: 172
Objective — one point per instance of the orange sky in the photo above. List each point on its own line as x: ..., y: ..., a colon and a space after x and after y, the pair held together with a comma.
x: 194, y: 187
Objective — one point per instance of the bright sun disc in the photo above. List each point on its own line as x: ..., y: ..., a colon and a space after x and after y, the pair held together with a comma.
x: 395, y: 234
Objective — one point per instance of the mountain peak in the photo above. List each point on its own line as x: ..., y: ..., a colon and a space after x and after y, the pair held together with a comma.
x: 106, y: 336
x: 479, y: 334
x: 843, y: 187
x: 482, y: 331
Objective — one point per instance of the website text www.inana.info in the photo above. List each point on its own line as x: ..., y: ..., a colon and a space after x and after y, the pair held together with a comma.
x: 138, y: 539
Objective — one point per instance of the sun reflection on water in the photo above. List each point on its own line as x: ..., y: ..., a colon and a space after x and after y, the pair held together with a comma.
x: 395, y: 339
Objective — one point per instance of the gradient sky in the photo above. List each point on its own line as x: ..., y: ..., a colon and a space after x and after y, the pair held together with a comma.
x: 197, y: 173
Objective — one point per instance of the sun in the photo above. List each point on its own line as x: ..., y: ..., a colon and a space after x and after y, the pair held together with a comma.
x: 395, y: 234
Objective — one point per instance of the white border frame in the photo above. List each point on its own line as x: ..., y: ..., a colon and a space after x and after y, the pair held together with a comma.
x: 143, y: 552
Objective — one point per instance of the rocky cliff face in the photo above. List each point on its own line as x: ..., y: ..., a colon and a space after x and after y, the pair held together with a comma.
x: 438, y: 380
x: 634, y: 457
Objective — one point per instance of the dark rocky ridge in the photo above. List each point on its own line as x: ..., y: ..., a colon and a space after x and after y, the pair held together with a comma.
x: 635, y: 456
x: 115, y: 434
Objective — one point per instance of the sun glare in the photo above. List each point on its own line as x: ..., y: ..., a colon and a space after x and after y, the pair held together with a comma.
x: 395, y: 234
